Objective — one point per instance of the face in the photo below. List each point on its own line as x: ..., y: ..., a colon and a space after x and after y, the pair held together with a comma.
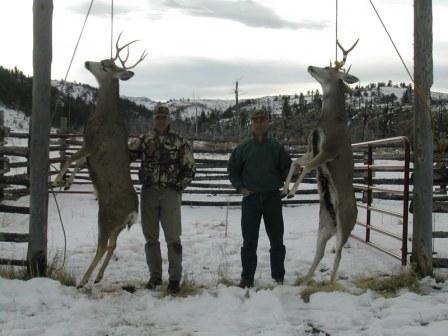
x: 260, y: 126
x: 161, y: 122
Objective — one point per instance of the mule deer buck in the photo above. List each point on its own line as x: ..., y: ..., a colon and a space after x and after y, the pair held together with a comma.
x: 105, y: 149
x: 329, y: 152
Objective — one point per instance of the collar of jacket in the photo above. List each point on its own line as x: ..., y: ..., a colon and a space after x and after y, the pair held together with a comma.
x: 168, y: 130
x: 263, y: 139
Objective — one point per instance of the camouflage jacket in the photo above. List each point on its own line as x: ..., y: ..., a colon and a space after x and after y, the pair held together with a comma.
x: 167, y: 161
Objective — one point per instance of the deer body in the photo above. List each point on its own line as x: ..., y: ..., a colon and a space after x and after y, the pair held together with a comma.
x: 329, y: 152
x: 105, y: 149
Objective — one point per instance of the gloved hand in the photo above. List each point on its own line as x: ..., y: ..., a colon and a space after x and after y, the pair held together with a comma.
x: 245, y: 192
x: 134, y: 144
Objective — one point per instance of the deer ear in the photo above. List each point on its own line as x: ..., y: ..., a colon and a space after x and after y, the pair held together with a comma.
x: 350, y: 79
x: 125, y: 75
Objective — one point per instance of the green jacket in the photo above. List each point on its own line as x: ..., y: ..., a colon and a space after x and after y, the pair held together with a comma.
x: 259, y: 166
x: 166, y: 161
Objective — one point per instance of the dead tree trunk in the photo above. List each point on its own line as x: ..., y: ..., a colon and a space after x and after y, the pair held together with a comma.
x: 39, y: 135
x: 423, y: 138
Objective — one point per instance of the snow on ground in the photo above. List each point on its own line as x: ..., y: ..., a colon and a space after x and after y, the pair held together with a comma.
x: 44, y: 307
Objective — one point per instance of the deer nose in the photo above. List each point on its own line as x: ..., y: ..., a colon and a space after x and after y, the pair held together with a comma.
x: 86, y: 64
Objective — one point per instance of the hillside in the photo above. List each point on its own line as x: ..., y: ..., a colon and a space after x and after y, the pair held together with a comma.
x: 376, y: 110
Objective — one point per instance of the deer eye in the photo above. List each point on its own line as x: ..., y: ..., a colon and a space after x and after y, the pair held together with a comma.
x: 106, y: 63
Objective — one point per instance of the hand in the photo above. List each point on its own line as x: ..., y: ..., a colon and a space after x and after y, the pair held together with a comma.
x: 297, y: 168
x: 245, y: 192
x: 134, y: 144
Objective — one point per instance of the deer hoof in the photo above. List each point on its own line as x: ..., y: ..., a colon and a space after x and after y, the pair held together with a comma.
x: 290, y: 195
x: 283, y: 194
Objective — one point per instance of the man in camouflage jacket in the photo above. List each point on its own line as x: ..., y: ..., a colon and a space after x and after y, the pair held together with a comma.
x: 167, y: 168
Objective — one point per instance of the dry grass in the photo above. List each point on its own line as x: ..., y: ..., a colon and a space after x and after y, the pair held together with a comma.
x: 13, y: 272
x: 315, y: 287
x: 55, y: 271
x: 188, y: 288
x: 388, y: 286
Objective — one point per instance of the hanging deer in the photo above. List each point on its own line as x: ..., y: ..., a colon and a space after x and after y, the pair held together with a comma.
x: 330, y: 153
x: 105, y: 149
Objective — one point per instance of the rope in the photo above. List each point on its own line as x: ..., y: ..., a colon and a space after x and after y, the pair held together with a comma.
x: 62, y: 226
x: 336, y: 42
x: 392, y: 41
x: 54, y: 113
x: 111, y: 28
x: 417, y: 89
x: 79, y: 38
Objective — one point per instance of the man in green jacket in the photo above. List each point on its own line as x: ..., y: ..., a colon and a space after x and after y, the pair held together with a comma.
x: 257, y: 169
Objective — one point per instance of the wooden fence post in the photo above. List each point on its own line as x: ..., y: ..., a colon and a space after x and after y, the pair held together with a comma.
x: 39, y: 136
x: 423, y: 139
x: 2, y: 157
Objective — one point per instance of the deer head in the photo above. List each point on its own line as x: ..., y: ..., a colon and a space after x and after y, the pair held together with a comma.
x: 107, y: 69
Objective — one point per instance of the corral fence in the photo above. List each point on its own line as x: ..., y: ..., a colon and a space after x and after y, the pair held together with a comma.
x: 211, y: 187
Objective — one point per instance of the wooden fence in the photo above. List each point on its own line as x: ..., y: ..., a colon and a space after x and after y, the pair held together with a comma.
x: 210, y: 186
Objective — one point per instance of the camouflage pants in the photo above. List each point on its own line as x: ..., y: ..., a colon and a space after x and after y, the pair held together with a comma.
x: 162, y: 205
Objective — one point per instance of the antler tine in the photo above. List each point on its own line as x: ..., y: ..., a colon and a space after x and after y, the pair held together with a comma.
x: 123, y: 62
x: 339, y: 65
x: 142, y: 57
x: 119, y: 49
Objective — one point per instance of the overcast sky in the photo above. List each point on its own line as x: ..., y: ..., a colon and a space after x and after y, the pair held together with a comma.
x: 201, y: 47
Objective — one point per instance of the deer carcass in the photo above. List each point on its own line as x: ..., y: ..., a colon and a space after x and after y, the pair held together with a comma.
x: 330, y: 154
x: 105, y: 148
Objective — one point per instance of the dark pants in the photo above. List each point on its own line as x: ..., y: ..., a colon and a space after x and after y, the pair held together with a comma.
x: 266, y: 204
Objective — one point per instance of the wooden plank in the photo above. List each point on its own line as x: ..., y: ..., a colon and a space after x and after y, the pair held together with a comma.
x: 440, y: 262
x: 14, y: 237
x: 441, y: 207
x: 21, y: 179
x: 238, y: 203
x: 440, y: 234
x: 14, y: 209
x: 13, y: 262
x: 14, y: 151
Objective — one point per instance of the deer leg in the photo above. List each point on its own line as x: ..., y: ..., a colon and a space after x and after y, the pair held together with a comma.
x: 110, y: 250
x: 81, y: 154
x: 69, y: 181
x: 337, y: 257
x: 101, y: 249
x: 319, y: 159
x: 327, y: 227
x: 302, y: 162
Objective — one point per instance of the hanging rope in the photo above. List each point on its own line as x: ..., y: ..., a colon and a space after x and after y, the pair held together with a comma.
x: 79, y: 38
x: 417, y: 89
x: 392, y: 41
x: 54, y: 114
x: 336, y: 42
x: 111, y: 28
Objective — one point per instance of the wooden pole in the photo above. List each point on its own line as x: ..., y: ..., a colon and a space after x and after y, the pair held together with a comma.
x: 39, y: 134
x: 2, y: 157
x: 423, y: 138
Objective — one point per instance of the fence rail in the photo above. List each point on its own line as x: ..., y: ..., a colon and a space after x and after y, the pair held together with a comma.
x: 211, y: 179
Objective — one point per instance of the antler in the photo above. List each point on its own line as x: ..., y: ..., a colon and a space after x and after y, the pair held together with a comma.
x: 339, y: 65
x: 123, y: 62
